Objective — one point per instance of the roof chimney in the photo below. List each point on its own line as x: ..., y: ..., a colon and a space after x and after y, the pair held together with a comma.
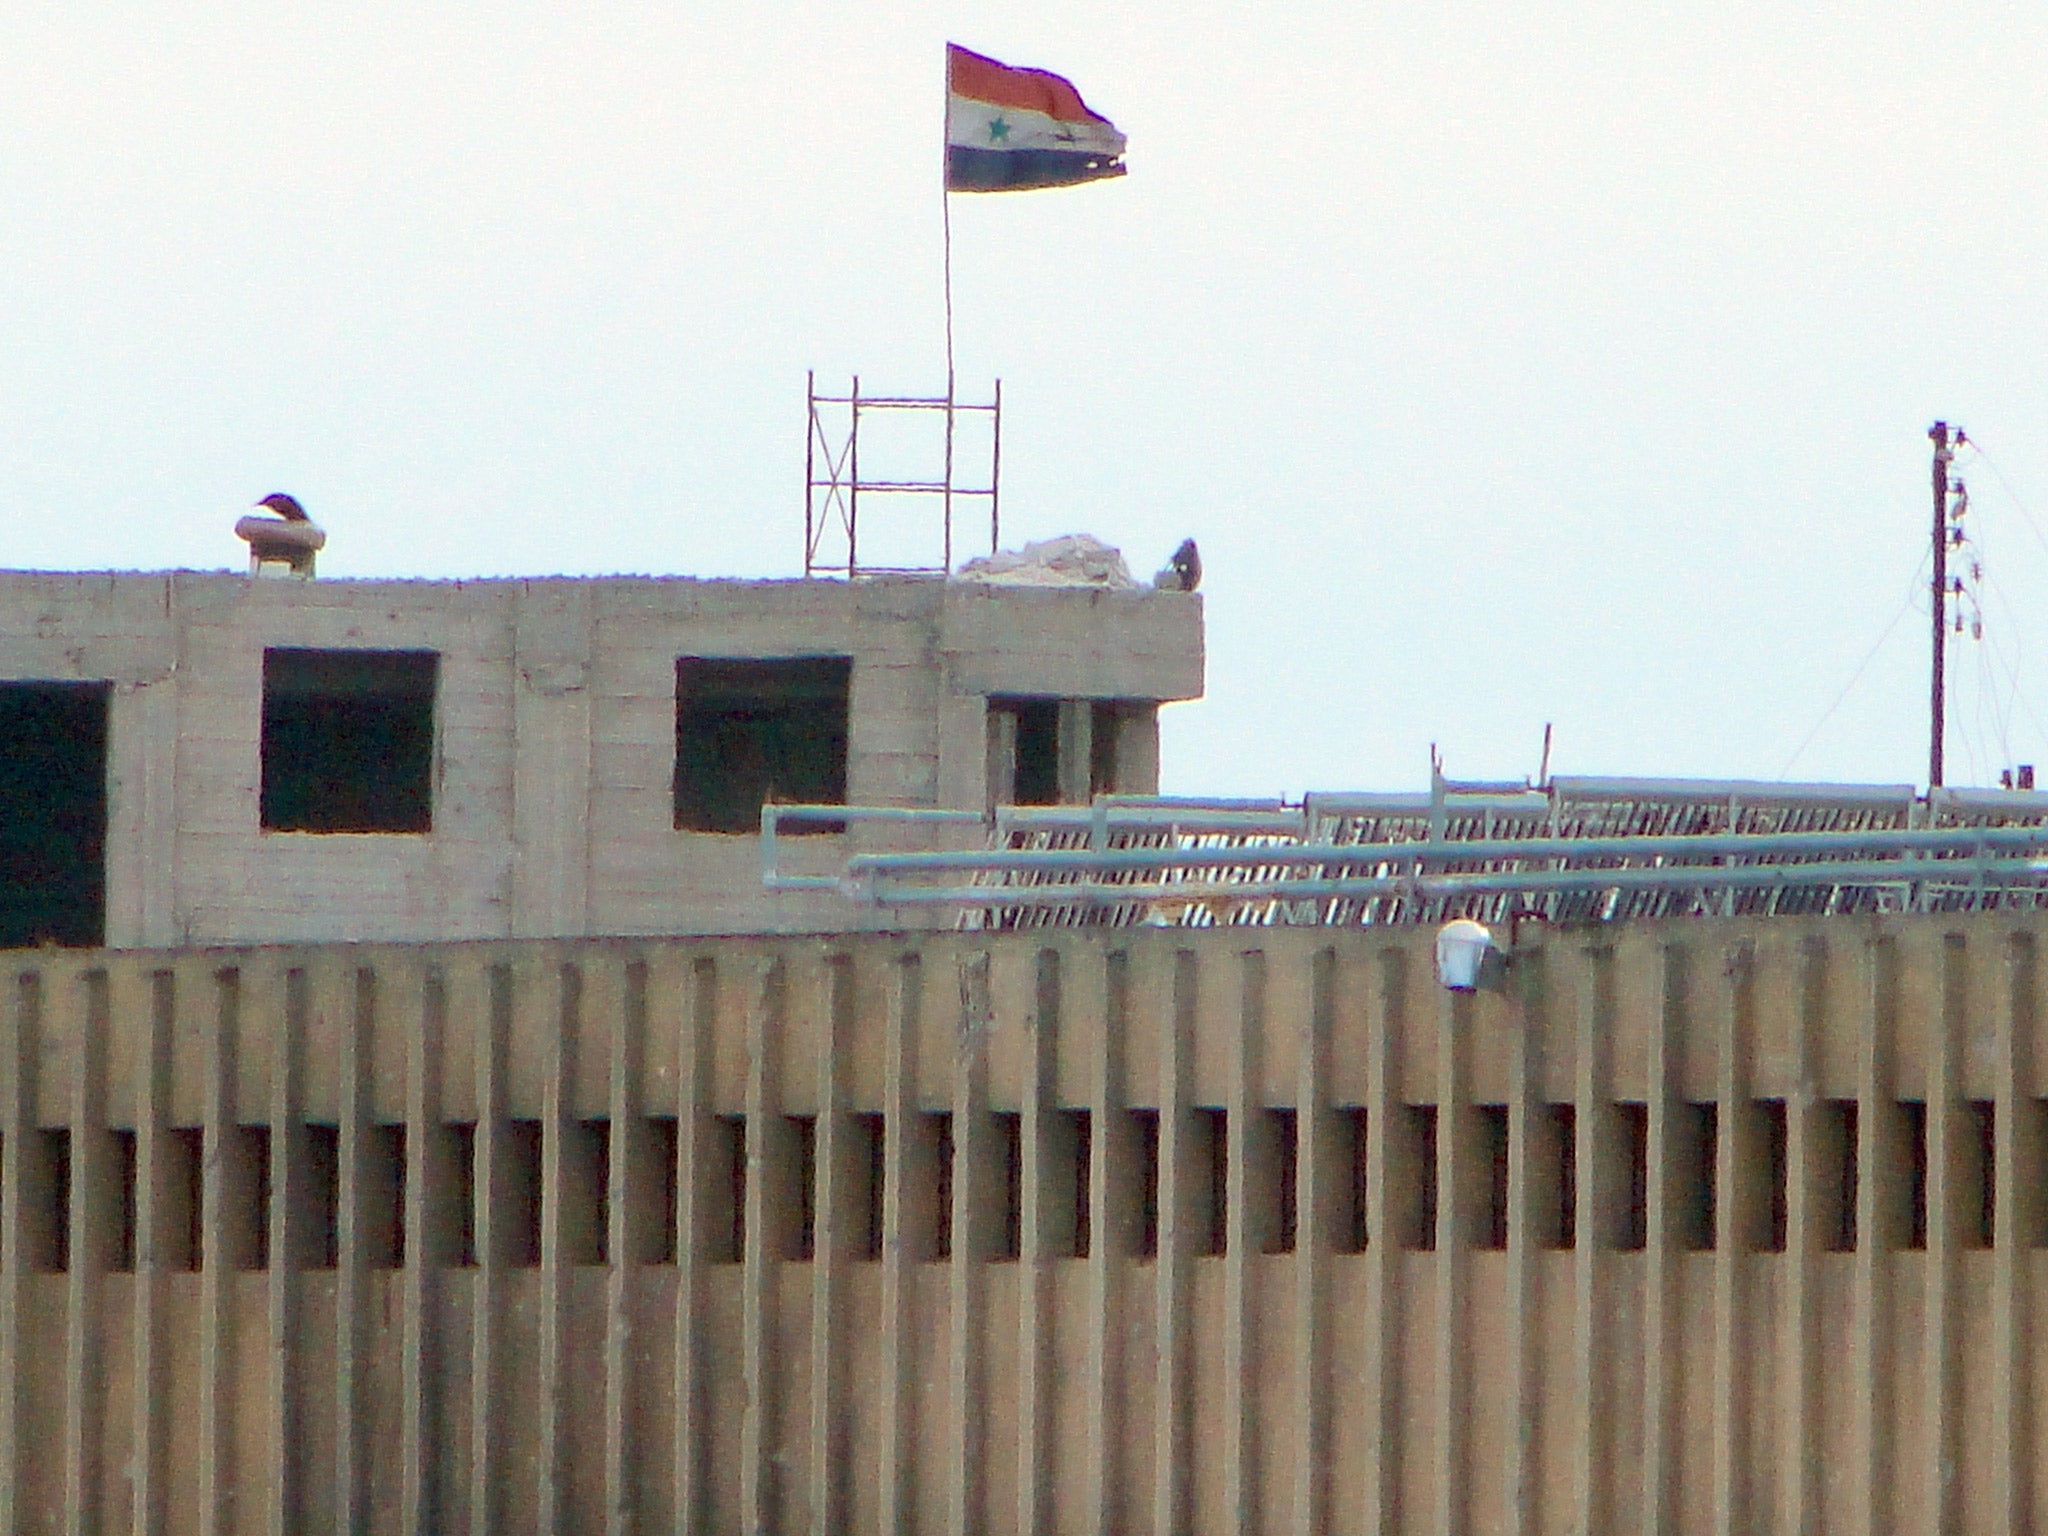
x: 283, y: 545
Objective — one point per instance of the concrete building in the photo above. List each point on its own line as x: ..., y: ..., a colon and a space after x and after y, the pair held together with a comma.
x: 590, y: 1186
x: 215, y: 759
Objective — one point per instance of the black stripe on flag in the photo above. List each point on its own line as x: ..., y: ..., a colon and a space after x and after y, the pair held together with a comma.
x: 1021, y: 170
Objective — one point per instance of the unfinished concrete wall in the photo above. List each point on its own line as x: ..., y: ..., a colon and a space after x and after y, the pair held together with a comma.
x: 555, y: 736
x: 1714, y: 1226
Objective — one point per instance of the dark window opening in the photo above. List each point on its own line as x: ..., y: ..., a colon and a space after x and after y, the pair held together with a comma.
x: 801, y: 1242
x: 1072, y: 1137
x: 122, y: 1260
x: 1281, y: 1131
x: 726, y: 1190
x: 519, y: 1231
x: 57, y: 1169
x: 462, y: 1193
x: 185, y: 1187
x: 1632, y: 1121
x: 1558, y: 1126
x: 381, y: 1227
x: 1036, y: 776
x: 1208, y: 1132
x: 1009, y: 1132
x: 348, y: 741
x: 753, y: 732
x: 870, y: 1173
x: 248, y: 1197
x: 1419, y: 1174
x: 1777, y: 1153
x: 1980, y: 1217
x: 320, y: 1240
x: 586, y: 1225
x: 1835, y: 1157
x: 1353, y: 1228
x: 1913, y: 1112
x: 941, y: 1141
x: 1491, y: 1123
x: 1145, y: 1133
x: 663, y: 1145
x: 1696, y: 1132
x: 53, y: 814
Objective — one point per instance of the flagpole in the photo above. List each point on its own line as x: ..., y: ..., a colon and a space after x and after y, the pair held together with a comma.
x: 946, y: 217
x: 946, y: 243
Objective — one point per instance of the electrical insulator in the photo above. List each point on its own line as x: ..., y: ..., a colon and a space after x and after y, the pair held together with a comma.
x: 1976, y: 570
x: 1977, y: 628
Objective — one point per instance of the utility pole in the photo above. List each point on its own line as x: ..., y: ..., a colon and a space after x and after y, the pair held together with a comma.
x: 1938, y: 698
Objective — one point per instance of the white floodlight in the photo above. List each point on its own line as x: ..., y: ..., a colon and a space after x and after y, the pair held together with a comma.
x: 1463, y: 948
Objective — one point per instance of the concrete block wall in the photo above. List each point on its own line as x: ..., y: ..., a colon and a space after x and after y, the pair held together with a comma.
x: 1704, y: 1227
x: 555, y: 733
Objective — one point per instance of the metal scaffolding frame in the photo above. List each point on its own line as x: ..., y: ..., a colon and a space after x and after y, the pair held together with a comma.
x: 834, y: 487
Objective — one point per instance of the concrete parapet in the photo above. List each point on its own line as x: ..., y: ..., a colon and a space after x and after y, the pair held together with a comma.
x: 1701, y: 1226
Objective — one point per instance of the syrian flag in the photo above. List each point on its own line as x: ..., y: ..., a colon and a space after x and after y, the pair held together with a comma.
x: 1013, y: 130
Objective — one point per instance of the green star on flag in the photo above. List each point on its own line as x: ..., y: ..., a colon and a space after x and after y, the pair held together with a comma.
x: 998, y: 130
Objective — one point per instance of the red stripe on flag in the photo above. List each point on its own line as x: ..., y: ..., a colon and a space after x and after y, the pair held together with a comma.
x: 979, y: 78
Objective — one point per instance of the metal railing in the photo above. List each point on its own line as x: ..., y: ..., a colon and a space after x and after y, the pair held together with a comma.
x: 1127, y: 859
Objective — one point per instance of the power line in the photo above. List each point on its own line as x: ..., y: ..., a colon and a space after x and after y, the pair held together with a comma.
x: 1862, y: 666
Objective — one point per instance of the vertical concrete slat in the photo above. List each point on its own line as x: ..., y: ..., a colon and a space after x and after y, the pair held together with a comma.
x: 1109, y: 1176
x: 1173, y: 1403
x: 17, y: 1123
x: 899, y: 1099
x: 351, y: 1415
x: 420, y: 1422
x: 1454, y: 1021
x: 2014, y: 1202
x: 217, y: 1266
x: 558, y: 1117
x: 1520, y: 1492
x: 1316, y: 1173
x: 151, y: 1101
x: 967, y: 1279
x: 1590, y: 1346
x: 1941, y: 1444
x: 287, y: 1174
x: 625, y: 1218
x: 485, y: 1457
x: 1240, y: 1356
x: 828, y: 1243
x: 765, y: 1024
x: 1799, y: 1427
x: 84, y: 1382
x: 695, y: 1022
x: 1034, y: 1274
x: 1732, y: 1169
x: 1380, y: 1384
x: 1876, y: 1190
x: 1664, y: 1035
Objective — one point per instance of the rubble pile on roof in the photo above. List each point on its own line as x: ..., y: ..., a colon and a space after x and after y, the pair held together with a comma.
x: 1072, y: 560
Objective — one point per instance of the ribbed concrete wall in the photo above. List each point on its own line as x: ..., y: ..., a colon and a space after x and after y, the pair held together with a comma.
x: 1714, y: 1227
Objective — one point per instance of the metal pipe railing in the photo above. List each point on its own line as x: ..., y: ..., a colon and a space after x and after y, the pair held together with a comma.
x: 772, y: 817
x: 2009, y: 855
x: 1424, y: 853
x: 2005, y: 872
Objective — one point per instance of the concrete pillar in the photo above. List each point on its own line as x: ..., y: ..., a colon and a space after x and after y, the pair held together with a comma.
x: 551, y: 762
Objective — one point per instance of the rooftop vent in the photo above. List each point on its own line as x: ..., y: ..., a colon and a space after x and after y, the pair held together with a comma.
x: 283, y: 545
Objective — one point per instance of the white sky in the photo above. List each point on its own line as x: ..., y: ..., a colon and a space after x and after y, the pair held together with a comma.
x: 1510, y: 363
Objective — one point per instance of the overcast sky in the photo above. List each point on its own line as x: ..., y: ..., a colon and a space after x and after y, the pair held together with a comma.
x: 1511, y: 364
